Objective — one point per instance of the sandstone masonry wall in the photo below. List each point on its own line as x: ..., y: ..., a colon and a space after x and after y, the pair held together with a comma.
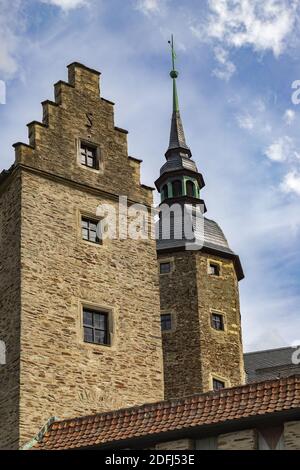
x: 10, y: 282
x: 194, y: 352
x: 60, y: 375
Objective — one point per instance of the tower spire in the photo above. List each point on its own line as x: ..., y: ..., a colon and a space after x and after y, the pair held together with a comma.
x: 177, y: 137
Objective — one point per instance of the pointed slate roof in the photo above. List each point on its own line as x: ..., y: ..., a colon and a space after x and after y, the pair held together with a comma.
x: 177, y: 137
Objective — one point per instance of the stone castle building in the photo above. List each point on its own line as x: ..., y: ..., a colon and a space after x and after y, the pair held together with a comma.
x: 92, y: 324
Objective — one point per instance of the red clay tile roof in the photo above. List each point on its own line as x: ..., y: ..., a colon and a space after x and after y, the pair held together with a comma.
x: 210, y: 408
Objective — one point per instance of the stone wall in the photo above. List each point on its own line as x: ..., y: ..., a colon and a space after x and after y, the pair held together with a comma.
x: 240, y: 440
x: 292, y: 435
x: 10, y: 226
x: 181, y: 345
x: 221, y: 351
x: 182, y: 444
x: 194, y: 352
x: 60, y: 374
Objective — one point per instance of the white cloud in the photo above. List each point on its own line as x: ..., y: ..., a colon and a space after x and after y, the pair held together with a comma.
x: 262, y: 25
x: 291, y: 183
x: 67, y: 4
x: 289, y: 116
x: 281, y: 150
x: 10, y: 23
x: 245, y: 121
x: 225, y: 68
x: 149, y: 6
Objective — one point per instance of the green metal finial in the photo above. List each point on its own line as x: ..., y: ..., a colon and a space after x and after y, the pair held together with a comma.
x: 174, y: 74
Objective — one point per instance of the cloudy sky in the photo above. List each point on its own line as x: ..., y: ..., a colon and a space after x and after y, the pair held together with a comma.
x: 237, y: 60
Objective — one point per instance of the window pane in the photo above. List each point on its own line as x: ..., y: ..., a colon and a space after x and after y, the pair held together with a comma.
x: 93, y: 226
x: 90, y: 229
x: 90, y: 162
x: 218, y: 385
x: 88, y: 335
x: 100, y: 321
x: 166, y: 322
x: 92, y: 237
x: 214, y: 269
x: 217, y: 321
x: 87, y: 318
x: 100, y: 337
x: 95, y: 327
x: 165, y: 268
x: 88, y: 155
x: 85, y: 234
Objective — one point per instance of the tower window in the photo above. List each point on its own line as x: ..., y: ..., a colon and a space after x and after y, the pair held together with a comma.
x: 166, y: 321
x: 90, y: 229
x: 95, y: 327
x: 177, y: 188
x: 165, y: 191
x: 217, y: 321
x: 165, y: 268
x: 214, y: 269
x: 190, y: 189
x: 88, y: 155
x: 218, y: 385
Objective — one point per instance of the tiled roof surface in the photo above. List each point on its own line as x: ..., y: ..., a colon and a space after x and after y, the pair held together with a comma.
x: 230, y: 404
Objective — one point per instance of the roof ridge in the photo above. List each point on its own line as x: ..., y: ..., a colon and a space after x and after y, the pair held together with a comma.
x: 269, y: 350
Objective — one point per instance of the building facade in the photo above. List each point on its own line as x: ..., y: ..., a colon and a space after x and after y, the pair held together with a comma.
x: 79, y: 315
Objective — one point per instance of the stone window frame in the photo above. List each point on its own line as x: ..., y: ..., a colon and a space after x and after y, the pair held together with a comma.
x: 218, y: 263
x: 217, y: 376
x: 218, y: 312
x: 111, y: 319
x: 173, y: 321
x: 99, y: 155
x: 166, y: 260
x: 82, y: 214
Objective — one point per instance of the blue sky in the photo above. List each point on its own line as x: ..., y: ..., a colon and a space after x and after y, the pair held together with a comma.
x: 237, y: 61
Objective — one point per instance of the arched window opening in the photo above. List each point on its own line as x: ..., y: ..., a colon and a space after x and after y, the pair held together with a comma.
x: 177, y: 188
x: 165, y: 192
x: 190, y: 189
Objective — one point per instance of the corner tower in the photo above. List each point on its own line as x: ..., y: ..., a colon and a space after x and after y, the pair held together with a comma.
x: 199, y: 275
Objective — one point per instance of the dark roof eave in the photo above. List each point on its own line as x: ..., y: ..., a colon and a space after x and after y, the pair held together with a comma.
x: 181, y: 149
x: 223, y: 254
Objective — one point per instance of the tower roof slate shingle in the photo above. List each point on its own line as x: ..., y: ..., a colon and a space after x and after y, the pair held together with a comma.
x: 228, y: 405
x: 270, y: 364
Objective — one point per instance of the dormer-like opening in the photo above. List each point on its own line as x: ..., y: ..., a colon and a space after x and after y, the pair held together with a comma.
x: 165, y: 192
x: 177, y: 188
x: 190, y: 189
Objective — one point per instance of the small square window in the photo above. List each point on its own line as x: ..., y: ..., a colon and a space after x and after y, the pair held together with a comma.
x: 95, y: 327
x: 166, y: 321
x: 90, y: 230
x: 218, y: 385
x: 165, y: 268
x: 214, y: 269
x: 88, y: 155
x: 217, y: 321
